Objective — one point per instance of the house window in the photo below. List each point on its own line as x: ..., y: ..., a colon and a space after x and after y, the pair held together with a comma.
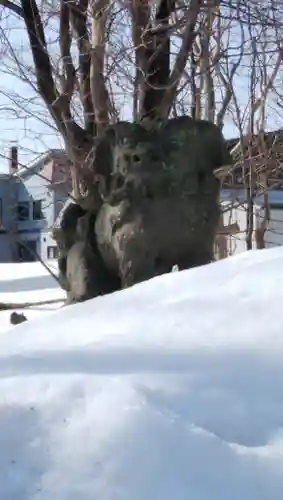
x: 52, y: 252
x: 23, y: 210
x: 37, y: 210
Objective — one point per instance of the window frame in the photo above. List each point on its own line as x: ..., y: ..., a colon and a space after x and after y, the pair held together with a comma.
x: 54, y: 250
x: 41, y: 217
x: 22, y: 204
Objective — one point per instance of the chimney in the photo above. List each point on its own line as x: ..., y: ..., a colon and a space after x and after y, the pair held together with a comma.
x: 13, y: 159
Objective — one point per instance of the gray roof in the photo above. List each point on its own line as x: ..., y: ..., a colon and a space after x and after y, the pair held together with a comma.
x: 38, y: 161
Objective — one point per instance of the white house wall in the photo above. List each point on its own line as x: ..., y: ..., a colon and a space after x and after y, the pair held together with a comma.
x: 236, y: 213
x: 274, y: 233
x: 32, y: 188
x: 236, y: 243
x: 5, y: 248
x: 46, y: 241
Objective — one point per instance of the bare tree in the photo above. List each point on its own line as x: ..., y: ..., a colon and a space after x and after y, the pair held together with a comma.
x: 88, y: 25
x: 89, y: 59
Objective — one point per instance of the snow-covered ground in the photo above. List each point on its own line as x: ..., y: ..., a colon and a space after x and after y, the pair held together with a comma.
x: 20, y: 283
x: 171, y: 390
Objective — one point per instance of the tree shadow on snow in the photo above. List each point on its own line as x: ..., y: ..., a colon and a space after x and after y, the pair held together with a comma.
x: 28, y: 284
x: 23, y: 456
x: 242, y: 389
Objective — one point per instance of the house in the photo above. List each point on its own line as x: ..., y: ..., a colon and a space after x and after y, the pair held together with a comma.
x: 30, y: 200
x: 258, y: 164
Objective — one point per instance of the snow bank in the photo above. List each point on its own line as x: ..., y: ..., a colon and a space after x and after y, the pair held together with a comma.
x: 29, y: 276
x: 170, y: 390
x: 29, y: 282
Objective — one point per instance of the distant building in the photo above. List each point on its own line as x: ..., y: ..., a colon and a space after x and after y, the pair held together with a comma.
x: 265, y: 154
x: 30, y: 200
x: 235, y: 209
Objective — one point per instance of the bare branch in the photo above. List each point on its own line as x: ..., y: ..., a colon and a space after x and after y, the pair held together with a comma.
x: 262, y: 98
x: 69, y: 76
x: 99, y: 93
x: 157, y: 40
x: 12, y: 6
x: 56, y: 103
x: 228, y: 85
x: 45, y: 81
x: 78, y: 19
x: 6, y: 306
x: 195, y: 89
x: 206, y: 67
x: 227, y: 80
x: 140, y: 12
x: 181, y: 59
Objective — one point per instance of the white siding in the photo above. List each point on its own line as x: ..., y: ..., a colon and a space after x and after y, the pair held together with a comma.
x: 274, y: 233
x: 236, y: 243
x: 237, y: 214
x: 47, y: 241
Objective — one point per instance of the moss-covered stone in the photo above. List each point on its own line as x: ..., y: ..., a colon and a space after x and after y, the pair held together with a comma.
x: 171, y: 158
x: 159, y: 196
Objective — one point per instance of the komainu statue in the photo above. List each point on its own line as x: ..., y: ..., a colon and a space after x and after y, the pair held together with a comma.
x: 159, y: 189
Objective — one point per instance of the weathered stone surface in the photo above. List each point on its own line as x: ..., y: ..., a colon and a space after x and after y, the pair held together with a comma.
x: 173, y: 158
x: 87, y: 275
x: 161, y: 207
x: 82, y: 272
x: 65, y: 234
x: 160, y: 197
x: 65, y: 227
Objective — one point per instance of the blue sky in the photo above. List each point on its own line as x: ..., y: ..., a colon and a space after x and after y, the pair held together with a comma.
x: 36, y: 135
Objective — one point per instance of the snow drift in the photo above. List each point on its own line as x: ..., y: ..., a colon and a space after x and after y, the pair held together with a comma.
x: 170, y: 390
